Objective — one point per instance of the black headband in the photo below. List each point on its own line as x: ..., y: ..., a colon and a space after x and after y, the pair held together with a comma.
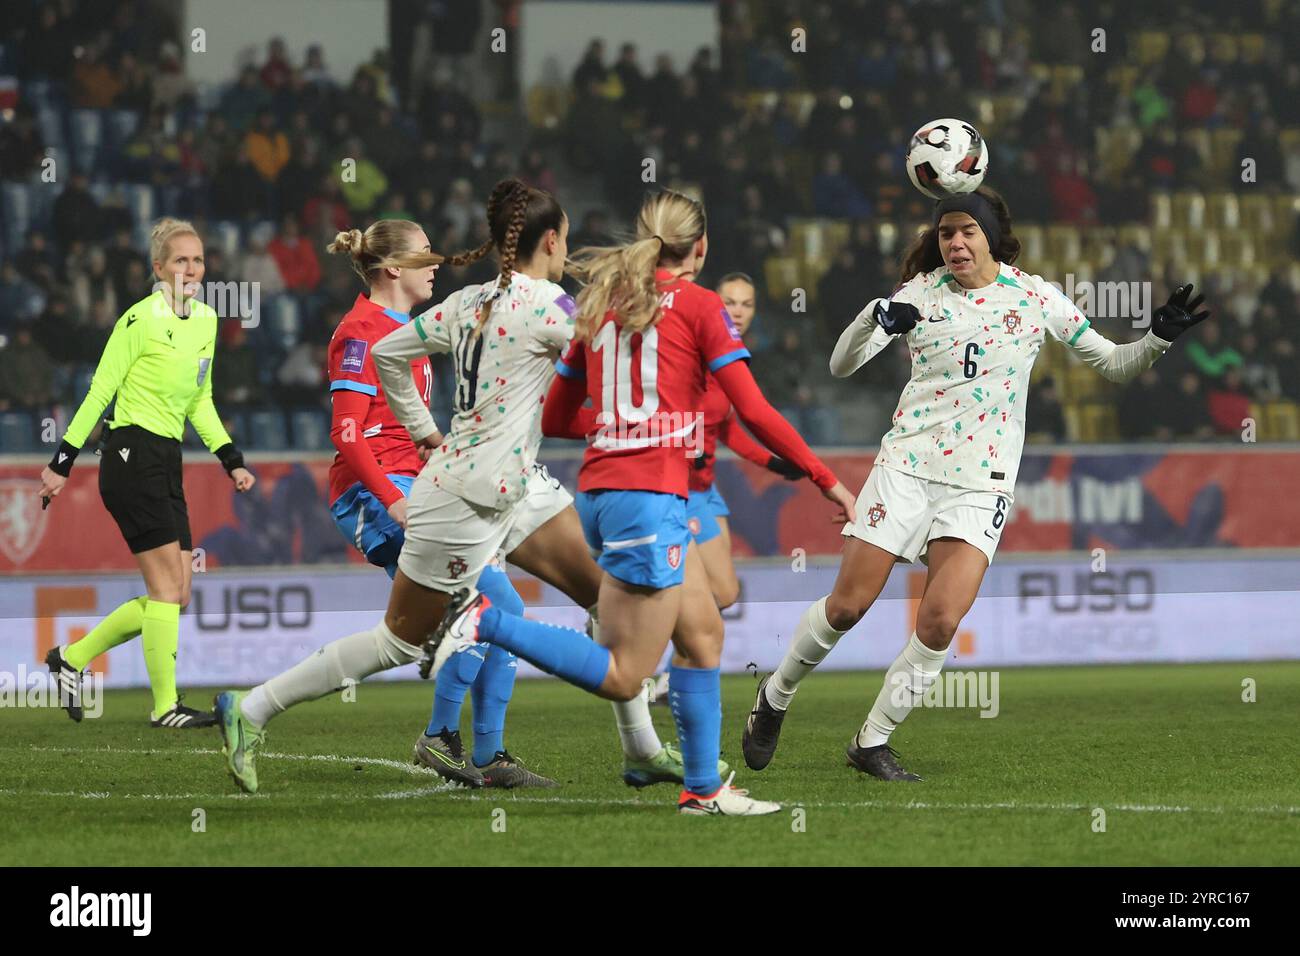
x: 979, y: 209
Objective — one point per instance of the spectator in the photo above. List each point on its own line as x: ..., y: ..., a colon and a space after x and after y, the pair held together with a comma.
x: 1228, y: 403
x: 94, y: 283
x: 94, y: 83
x: 842, y: 292
x: 302, y: 379
x: 1144, y: 409
x: 367, y: 184
x: 36, y: 261
x: 314, y: 70
x: 20, y: 299
x: 76, y: 214
x: 1208, y: 353
x: 232, y: 194
x: 259, y: 265
x: 170, y: 85
x: 1044, y: 414
x: 1187, y: 413
x: 243, y: 101
x: 26, y: 372
x: 21, y: 147
x: 631, y: 77
x: 275, y: 72
x: 834, y: 195
x: 267, y: 147
x: 462, y: 209
x: 591, y: 68
x: 325, y: 213
x: 295, y: 257
x: 234, y: 377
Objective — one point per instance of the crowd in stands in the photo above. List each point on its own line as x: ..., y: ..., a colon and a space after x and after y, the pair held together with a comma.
x: 256, y: 166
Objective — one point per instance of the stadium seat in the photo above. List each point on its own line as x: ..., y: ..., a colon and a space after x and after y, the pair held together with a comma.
x: 49, y: 120
x: 140, y: 201
x: 1223, y: 149
x: 1188, y: 210
x: 311, y: 429
x: 1257, y: 214
x: 1064, y: 243
x: 1162, y: 214
x: 17, y: 433
x: 224, y: 235
x: 1032, y: 244
x: 120, y: 126
x: 267, y: 430
x: 1136, y: 234
x: 15, y: 203
x: 1152, y: 46
x: 1223, y: 210
x: 1283, y: 421
x: 87, y: 129
x: 781, y: 274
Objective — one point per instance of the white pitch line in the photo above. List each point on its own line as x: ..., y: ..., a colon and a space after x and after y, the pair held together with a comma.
x: 461, y: 793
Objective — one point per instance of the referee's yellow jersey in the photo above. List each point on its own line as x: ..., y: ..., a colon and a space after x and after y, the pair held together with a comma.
x: 160, y: 367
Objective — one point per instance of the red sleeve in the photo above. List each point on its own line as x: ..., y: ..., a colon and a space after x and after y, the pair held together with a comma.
x: 737, y: 439
x: 766, y: 422
x: 563, y: 415
x: 716, y: 335
x: 350, y: 413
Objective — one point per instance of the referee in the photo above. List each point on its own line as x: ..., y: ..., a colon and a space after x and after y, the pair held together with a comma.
x: 158, y: 362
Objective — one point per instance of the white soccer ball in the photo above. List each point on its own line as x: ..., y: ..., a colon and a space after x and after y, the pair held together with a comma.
x: 947, y: 157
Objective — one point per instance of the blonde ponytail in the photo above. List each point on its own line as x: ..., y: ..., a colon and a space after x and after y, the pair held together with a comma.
x: 622, y: 278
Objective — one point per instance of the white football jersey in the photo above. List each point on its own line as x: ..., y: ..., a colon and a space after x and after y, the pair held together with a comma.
x: 961, y: 418
x: 502, y: 376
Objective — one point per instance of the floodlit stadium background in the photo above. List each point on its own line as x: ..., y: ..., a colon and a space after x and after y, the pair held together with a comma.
x: 1138, y: 145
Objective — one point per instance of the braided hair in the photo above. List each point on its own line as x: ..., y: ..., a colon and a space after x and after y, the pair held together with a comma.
x: 518, y: 217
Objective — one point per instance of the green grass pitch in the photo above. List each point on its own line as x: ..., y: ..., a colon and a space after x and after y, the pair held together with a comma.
x: 1186, y: 772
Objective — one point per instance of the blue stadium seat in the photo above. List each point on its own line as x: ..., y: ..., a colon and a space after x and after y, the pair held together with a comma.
x: 311, y: 429
x: 50, y: 122
x: 119, y: 128
x: 283, y: 313
x: 267, y: 431
x: 224, y: 236
x: 87, y: 128
x: 17, y: 433
x: 140, y: 200
x: 16, y: 205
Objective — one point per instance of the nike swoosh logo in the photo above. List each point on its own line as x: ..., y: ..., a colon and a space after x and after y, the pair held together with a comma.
x: 934, y: 318
x: 455, y: 765
x: 987, y: 535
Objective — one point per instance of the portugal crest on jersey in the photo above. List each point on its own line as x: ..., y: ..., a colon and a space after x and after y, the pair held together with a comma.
x: 675, y: 556
x: 1012, y: 321
x: 456, y: 567
x: 876, y: 514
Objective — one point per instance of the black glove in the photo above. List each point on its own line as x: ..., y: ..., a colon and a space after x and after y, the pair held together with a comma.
x: 896, y: 318
x: 1178, y: 315
x: 230, y: 457
x: 787, y: 470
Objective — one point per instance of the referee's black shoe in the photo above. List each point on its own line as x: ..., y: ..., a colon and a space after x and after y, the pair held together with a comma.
x: 880, y: 762
x: 762, y: 730
x: 68, y: 679
x: 181, y: 717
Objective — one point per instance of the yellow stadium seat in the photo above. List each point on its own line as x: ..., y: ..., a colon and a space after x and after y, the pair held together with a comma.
x: 1257, y: 214
x: 1072, y: 423
x: 1283, y: 420
x: 1032, y: 245
x: 1063, y: 243
x: 781, y: 273
x: 1152, y: 46
x: 1223, y: 149
x: 1162, y: 215
x: 1222, y: 210
x: 1136, y: 234
x: 1252, y: 46
x: 1189, y: 210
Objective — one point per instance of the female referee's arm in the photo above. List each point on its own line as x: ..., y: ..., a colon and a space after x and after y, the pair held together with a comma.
x: 202, y: 413
x: 125, y: 345
x: 776, y: 433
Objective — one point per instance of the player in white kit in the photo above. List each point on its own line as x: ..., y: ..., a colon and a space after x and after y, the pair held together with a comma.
x: 481, y: 490
x: 942, y: 486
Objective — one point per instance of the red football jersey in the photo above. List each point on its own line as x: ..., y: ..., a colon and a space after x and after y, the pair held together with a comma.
x: 721, y: 424
x: 647, y: 389
x: 351, y: 367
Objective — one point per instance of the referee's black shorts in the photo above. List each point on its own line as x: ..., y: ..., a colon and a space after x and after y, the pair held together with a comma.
x: 140, y: 482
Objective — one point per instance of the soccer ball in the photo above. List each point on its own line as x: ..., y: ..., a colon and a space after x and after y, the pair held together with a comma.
x: 947, y: 157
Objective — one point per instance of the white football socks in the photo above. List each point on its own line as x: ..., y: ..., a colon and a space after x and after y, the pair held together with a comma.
x: 351, y: 658
x: 906, y: 682
x: 813, y: 639
x: 636, y: 728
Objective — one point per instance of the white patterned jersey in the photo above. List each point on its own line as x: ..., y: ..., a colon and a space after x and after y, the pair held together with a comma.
x: 961, y: 418
x: 502, y: 376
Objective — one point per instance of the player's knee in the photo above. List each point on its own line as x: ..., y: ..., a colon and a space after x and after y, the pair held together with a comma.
x: 937, y: 624
x: 622, y: 687
x: 727, y: 593
x: 843, y: 612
